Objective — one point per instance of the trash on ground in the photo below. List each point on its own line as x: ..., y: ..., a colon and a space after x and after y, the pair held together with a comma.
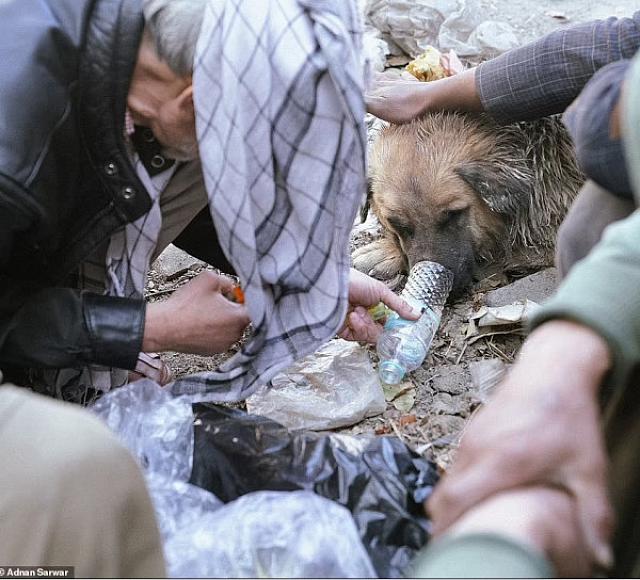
x: 269, y: 535
x: 432, y: 65
x: 374, y: 50
x: 486, y: 375
x: 156, y: 427
x: 492, y: 38
x: 378, y: 479
x: 336, y: 386
x: 428, y: 66
x: 510, y: 319
x: 413, y: 25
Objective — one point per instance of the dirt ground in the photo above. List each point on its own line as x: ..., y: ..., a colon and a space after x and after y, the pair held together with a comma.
x: 432, y: 407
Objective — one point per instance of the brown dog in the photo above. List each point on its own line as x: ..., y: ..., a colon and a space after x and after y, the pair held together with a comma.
x: 463, y: 191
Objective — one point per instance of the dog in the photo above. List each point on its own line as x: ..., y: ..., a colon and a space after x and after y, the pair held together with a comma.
x: 461, y: 190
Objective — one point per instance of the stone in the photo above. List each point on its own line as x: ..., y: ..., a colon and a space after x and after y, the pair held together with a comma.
x: 538, y: 287
x: 173, y: 262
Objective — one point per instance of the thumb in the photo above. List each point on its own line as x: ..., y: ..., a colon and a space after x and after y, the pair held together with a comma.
x: 219, y: 283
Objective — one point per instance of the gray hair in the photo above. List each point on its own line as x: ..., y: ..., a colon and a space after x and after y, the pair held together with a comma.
x: 174, y: 26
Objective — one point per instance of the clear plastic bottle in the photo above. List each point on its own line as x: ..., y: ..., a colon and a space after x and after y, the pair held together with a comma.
x: 404, y: 344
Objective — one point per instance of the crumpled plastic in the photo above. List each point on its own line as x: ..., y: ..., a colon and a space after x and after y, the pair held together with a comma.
x: 380, y: 482
x: 271, y: 535
x: 413, y: 25
x: 335, y: 387
x: 379, y: 479
x: 494, y: 320
x: 155, y: 426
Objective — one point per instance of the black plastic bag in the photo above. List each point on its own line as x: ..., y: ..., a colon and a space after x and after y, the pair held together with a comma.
x: 378, y: 479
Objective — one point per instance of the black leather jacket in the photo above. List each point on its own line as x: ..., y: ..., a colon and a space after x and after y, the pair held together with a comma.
x: 66, y: 182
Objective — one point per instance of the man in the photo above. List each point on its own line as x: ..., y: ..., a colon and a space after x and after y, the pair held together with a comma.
x: 98, y: 140
x: 544, y: 425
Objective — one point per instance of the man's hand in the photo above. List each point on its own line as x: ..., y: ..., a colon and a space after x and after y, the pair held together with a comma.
x: 365, y: 292
x: 542, y: 427
x: 543, y: 518
x: 401, y: 101
x: 197, y: 319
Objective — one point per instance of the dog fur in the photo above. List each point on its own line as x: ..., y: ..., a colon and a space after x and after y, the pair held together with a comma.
x: 460, y: 190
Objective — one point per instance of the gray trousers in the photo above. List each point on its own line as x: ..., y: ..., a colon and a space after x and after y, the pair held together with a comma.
x: 593, y: 210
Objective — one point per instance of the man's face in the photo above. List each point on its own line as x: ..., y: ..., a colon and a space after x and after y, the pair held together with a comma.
x: 163, y: 101
x: 175, y: 127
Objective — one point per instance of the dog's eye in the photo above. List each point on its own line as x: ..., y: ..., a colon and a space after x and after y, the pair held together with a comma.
x: 451, y: 217
x: 403, y: 229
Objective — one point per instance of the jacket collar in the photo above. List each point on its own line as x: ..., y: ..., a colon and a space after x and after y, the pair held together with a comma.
x: 108, y: 59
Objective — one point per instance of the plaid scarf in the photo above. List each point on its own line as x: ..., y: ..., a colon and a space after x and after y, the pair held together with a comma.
x: 280, y: 120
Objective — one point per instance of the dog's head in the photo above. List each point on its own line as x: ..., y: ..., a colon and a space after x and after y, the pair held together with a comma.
x: 445, y: 188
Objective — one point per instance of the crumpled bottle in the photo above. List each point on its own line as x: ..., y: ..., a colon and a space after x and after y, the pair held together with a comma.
x: 403, y: 345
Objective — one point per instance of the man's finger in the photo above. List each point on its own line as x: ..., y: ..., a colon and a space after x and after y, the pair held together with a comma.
x: 596, y: 519
x: 218, y: 282
x: 403, y: 308
x: 363, y: 327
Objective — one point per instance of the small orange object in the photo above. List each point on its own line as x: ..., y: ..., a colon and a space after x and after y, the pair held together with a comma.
x: 238, y: 295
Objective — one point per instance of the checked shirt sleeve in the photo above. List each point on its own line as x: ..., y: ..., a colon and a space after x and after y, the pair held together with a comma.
x: 544, y: 77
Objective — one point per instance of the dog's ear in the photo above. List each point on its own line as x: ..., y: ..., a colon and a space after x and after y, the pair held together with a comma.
x: 504, y: 188
x: 366, y: 205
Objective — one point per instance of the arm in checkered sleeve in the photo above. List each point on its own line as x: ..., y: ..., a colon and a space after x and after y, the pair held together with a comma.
x: 545, y: 76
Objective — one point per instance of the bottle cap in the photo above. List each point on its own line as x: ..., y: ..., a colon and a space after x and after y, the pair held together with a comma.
x: 391, y: 372
x: 429, y: 283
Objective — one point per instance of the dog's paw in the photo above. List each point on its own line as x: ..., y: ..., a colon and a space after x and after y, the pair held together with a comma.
x: 381, y: 260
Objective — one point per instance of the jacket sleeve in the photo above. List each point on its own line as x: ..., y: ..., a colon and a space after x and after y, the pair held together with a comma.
x: 63, y: 327
x: 479, y: 555
x: 545, y: 76
x: 601, y: 292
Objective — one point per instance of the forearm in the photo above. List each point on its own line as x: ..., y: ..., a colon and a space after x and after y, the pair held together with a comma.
x: 545, y: 76
x: 456, y: 93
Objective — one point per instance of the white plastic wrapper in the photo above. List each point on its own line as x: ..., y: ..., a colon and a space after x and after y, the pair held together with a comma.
x: 374, y: 50
x: 334, y: 387
x: 413, y: 25
x: 493, y: 38
x: 155, y: 426
x: 270, y: 535
x: 178, y: 505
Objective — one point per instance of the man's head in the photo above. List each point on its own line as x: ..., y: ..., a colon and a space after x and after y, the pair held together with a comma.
x: 160, y: 94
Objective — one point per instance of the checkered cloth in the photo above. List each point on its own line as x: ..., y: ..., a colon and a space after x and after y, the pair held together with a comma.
x: 544, y: 77
x: 280, y: 119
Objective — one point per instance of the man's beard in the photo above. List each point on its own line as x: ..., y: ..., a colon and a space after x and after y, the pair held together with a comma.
x: 185, y: 152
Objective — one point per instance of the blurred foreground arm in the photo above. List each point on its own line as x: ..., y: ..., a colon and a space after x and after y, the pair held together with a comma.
x: 515, y: 534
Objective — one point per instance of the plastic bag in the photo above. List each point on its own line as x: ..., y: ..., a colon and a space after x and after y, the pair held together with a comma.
x: 270, y: 535
x: 413, y: 25
x: 155, y: 426
x: 379, y: 480
x: 334, y: 387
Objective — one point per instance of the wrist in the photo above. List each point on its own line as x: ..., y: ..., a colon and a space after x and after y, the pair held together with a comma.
x: 156, y: 335
x: 456, y: 93
x: 563, y: 345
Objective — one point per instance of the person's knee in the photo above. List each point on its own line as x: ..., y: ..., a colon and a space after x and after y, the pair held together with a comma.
x: 570, y: 246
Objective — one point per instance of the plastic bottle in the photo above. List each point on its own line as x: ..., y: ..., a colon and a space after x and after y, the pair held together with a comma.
x: 404, y: 344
